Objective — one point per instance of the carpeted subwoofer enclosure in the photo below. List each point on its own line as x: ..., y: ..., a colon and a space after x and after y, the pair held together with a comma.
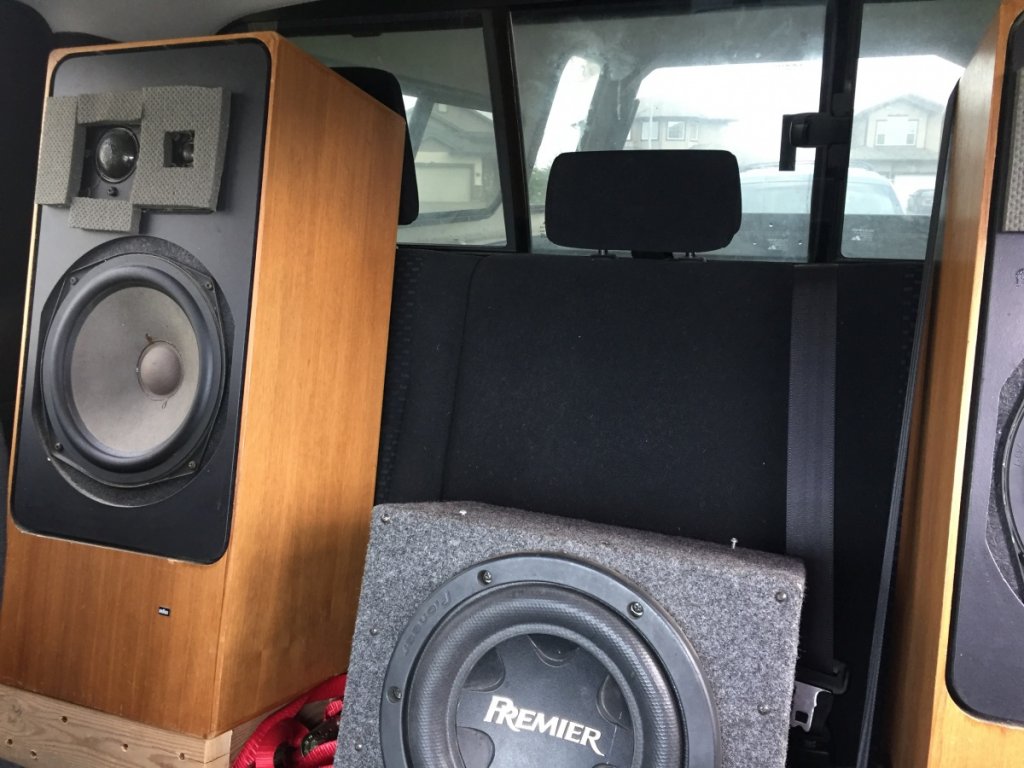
x: 490, y: 637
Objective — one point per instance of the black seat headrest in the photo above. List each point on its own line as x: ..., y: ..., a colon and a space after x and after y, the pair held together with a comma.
x: 385, y: 88
x: 654, y: 201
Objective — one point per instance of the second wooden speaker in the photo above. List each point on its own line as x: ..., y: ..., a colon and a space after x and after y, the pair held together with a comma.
x: 958, y: 671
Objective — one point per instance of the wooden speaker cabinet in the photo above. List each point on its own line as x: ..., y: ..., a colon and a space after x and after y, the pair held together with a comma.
x: 201, y: 381
x: 958, y: 666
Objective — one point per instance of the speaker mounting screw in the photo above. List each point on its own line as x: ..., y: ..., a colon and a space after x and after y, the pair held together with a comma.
x: 385, y: 518
x: 359, y: 746
x: 192, y: 465
x: 208, y: 285
x: 374, y: 631
x: 58, y: 446
x: 73, y: 280
x: 395, y: 694
x: 764, y: 709
x: 781, y: 596
x: 636, y: 609
x: 485, y: 577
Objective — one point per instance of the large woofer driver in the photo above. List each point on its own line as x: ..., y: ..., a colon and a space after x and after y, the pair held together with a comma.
x: 132, y: 369
x: 540, y: 660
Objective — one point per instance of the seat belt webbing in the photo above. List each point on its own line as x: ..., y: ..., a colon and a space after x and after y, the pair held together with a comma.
x: 810, y: 475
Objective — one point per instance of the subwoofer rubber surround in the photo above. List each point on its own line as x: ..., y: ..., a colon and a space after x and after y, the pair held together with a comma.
x: 642, y: 648
x: 83, y: 289
x: 1012, y: 483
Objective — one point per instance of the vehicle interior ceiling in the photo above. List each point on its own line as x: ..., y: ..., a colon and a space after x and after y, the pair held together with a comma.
x: 646, y: 392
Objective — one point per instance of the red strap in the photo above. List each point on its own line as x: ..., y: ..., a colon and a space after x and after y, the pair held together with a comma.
x: 282, y: 727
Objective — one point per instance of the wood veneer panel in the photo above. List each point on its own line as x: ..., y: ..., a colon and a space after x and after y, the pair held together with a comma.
x: 79, y: 623
x: 928, y: 728
x: 314, y: 386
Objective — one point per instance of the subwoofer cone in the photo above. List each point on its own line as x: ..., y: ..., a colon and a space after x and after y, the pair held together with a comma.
x: 534, y: 660
x: 132, y: 369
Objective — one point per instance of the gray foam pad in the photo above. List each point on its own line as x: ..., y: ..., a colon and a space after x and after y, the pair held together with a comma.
x: 104, y: 215
x: 110, y: 108
x: 61, y: 148
x: 1013, y: 216
x: 158, y: 112
x: 724, y: 600
x: 203, y: 111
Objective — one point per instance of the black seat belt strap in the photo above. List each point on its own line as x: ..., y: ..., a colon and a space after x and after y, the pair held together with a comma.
x: 810, y: 480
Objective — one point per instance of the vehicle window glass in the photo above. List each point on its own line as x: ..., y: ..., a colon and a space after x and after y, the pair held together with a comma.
x: 565, y: 122
x: 443, y: 74
x: 912, y: 54
x: 712, y: 80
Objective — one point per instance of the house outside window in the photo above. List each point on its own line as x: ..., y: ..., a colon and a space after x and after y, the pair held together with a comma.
x: 676, y: 130
x: 649, y: 130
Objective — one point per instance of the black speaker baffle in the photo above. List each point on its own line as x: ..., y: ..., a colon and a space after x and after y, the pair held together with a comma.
x: 536, y: 660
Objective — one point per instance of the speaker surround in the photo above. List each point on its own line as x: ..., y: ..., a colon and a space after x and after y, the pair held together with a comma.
x: 1012, y: 492
x: 496, y: 637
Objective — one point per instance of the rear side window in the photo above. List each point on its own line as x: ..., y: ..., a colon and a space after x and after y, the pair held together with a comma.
x: 713, y: 80
x: 912, y: 55
x: 443, y: 73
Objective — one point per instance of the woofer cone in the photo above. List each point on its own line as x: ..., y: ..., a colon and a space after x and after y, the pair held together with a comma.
x: 132, y: 369
x: 434, y: 705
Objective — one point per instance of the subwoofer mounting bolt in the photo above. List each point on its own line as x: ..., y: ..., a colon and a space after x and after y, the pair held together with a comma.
x: 636, y: 609
x: 485, y: 577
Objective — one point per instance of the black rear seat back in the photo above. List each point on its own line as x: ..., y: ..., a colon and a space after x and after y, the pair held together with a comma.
x: 625, y: 392
x: 650, y: 394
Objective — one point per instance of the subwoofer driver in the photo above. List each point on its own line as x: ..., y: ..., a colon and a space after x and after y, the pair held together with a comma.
x: 545, y: 660
x: 132, y: 369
